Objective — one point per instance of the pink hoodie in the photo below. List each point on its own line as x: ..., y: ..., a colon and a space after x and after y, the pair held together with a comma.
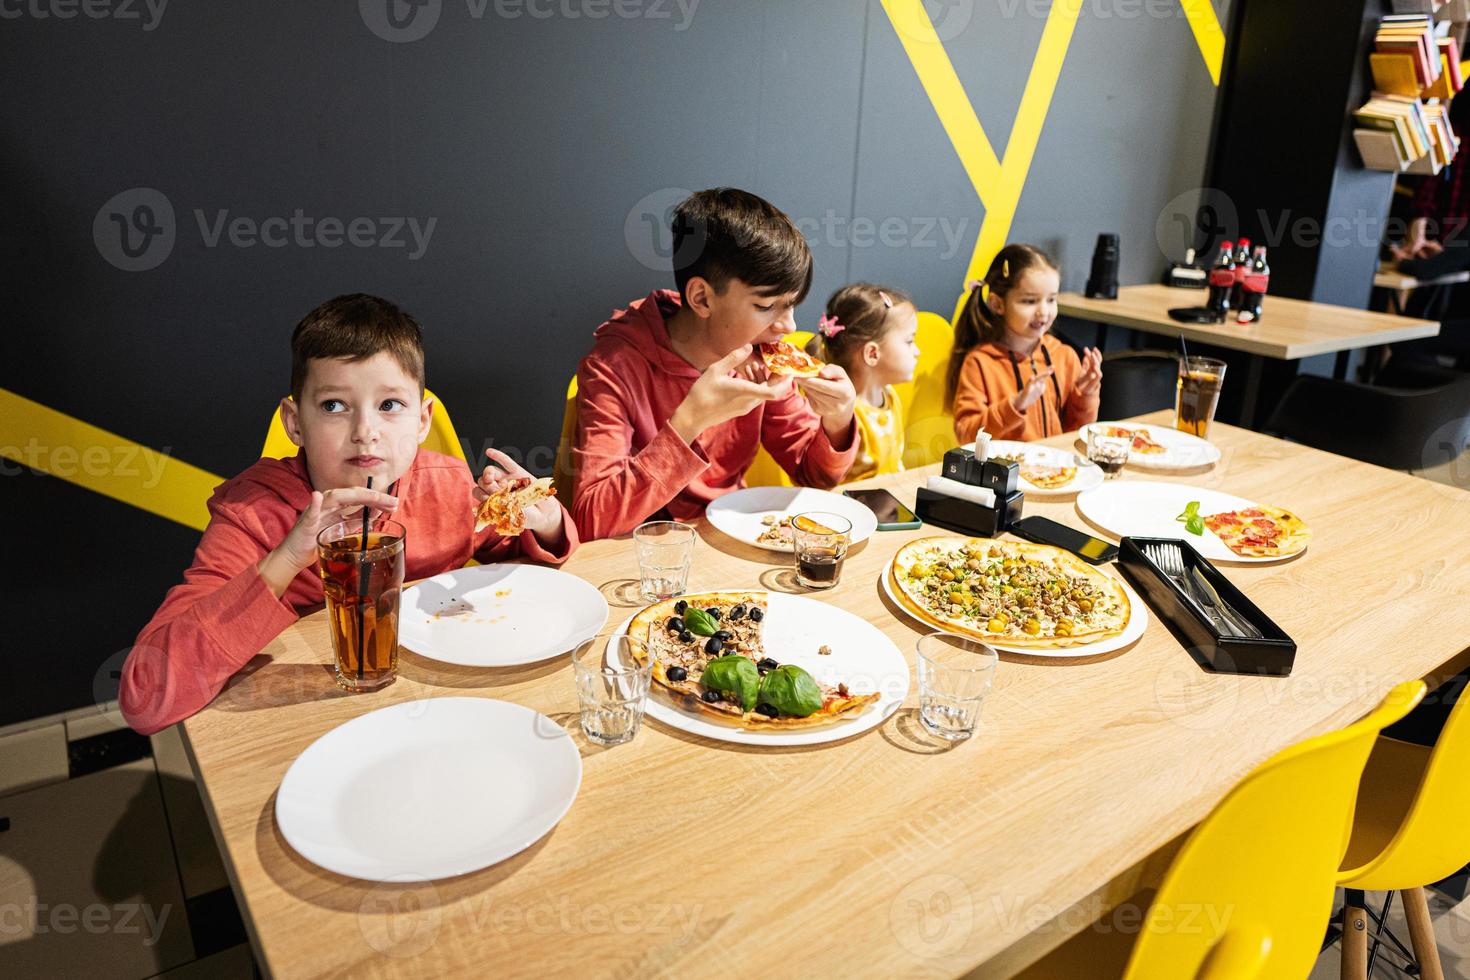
x: 223, y: 614
x: 630, y: 464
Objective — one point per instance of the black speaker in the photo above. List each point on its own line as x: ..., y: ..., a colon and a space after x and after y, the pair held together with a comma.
x: 1103, y: 283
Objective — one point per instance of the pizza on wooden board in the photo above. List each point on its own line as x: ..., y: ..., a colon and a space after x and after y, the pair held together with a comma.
x: 708, y: 652
x: 1016, y: 593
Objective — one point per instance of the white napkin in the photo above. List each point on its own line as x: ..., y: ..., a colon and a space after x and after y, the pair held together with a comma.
x: 962, y: 491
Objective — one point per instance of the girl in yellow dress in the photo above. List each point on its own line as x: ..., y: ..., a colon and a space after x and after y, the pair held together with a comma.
x: 870, y: 331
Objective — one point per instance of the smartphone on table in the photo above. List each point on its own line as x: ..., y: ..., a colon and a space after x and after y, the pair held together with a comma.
x: 1043, y: 530
x: 891, y: 513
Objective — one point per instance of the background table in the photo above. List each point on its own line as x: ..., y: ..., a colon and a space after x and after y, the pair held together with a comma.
x: 884, y: 854
x: 1289, y: 329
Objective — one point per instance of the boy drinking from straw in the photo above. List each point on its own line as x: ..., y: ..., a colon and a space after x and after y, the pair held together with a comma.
x: 357, y: 410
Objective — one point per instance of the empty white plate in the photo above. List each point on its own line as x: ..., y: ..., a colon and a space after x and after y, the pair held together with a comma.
x: 739, y: 514
x: 428, y: 789
x: 499, y: 615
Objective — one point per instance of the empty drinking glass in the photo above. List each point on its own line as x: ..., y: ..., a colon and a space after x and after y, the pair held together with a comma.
x: 664, y: 552
x: 955, y: 674
x: 612, y: 687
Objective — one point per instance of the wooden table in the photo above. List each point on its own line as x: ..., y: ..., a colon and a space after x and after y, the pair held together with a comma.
x: 887, y: 854
x: 1289, y: 330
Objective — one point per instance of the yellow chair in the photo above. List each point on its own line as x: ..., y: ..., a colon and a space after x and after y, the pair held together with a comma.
x: 1412, y: 827
x: 562, y: 470
x: 929, y: 425
x: 1250, y: 892
x: 441, y: 438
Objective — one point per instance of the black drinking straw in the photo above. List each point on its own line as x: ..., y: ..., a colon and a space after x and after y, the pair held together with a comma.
x: 362, y: 585
x: 1184, y: 350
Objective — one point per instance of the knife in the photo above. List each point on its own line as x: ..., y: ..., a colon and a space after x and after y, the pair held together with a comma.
x: 1212, y: 599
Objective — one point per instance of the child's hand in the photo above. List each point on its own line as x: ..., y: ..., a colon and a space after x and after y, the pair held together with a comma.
x: 298, y: 550
x: 726, y: 390
x: 1034, y: 389
x: 833, y: 397
x: 1089, y: 382
x: 543, y: 518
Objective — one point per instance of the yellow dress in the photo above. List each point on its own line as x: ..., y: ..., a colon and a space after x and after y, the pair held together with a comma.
x: 880, y: 437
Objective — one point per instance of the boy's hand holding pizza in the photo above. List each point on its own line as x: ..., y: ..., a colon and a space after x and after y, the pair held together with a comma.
x: 543, y: 517
x: 833, y: 397
x: 725, y: 391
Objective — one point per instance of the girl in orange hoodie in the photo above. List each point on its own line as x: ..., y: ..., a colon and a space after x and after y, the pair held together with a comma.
x: 1008, y: 376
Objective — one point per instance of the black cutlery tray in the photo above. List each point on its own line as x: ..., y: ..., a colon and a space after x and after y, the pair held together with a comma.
x: 1273, y: 653
x: 966, y: 516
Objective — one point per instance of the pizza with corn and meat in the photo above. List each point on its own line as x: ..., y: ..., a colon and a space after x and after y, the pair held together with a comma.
x: 708, y: 652
x: 1011, y: 592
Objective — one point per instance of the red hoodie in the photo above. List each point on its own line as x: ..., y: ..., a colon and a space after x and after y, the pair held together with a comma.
x: 223, y: 614
x: 629, y: 462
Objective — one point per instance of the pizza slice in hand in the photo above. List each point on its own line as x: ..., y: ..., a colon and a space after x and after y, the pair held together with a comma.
x: 784, y: 359
x: 505, y: 509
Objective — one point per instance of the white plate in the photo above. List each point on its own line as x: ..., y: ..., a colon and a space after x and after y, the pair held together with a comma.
x: 1144, y: 509
x: 739, y: 514
x: 1185, y: 452
x: 1088, y: 474
x: 1137, y: 623
x: 499, y: 615
x: 428, y: 789
x: 794, y: 629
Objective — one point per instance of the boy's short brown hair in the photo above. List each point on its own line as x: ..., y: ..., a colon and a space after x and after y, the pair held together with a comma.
x: 724, y: 233
x: 356, y: 327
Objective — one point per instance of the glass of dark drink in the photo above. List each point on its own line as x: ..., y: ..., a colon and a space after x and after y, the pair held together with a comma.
x: 821, y: 540
x: 1199, y: 390
x: 1109, y: 452
x: 363, y: 581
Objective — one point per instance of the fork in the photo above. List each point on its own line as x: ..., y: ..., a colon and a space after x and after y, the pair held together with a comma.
x: 1171, y: 562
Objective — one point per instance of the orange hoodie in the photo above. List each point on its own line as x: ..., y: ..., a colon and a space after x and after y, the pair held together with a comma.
x: 224, y: 614
x: 629, y: 462
x: 982, y: 398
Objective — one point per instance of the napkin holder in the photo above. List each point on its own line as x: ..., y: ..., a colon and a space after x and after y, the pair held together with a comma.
x: 1000, y: 476
x: 1273, y: 653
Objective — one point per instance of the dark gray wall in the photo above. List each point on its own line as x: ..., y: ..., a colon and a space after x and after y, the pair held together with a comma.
x: 538, y: 147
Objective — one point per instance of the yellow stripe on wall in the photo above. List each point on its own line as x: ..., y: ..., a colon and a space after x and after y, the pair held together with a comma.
x: 1205, y: 24
x: 103, y: 462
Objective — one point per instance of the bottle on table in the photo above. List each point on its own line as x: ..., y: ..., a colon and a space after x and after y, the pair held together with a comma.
x: 1222, y: 281
x: 1242, y: 263
x: 1253, y: 287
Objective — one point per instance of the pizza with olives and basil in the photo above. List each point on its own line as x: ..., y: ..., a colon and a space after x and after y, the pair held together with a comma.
x: 708, y: 653
x: 1009, y: 592
x: 784, y: 358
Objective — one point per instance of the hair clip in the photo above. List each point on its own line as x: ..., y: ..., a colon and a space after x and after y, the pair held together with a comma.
x: 828, y: 327
x: 886, y: 301
x: 973, y: 284
x: 1005, y: 268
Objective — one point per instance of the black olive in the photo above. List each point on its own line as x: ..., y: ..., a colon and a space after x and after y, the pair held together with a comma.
x: 676, y: 625
x: 711, y: 696
x: 686, y: 637
x: 724, y: 636
x: 737, y: 612
x: 766, y: 664
x: 712, y: 645
x: 767, y: 710
x: 676, y: 673
x: 756, y: 615
x: 680, y: 607
x: 712, y: 613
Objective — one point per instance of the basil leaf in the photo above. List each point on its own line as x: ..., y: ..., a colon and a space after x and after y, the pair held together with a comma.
x: 1195, y: 524
x: 1191, y: 513
x: 699, y: 622
x: 791, y: 691
x: 733, y: 674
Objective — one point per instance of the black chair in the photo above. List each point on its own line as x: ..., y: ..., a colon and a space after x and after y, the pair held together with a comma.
x: 1419, y: 417
x: 1135, y: 382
